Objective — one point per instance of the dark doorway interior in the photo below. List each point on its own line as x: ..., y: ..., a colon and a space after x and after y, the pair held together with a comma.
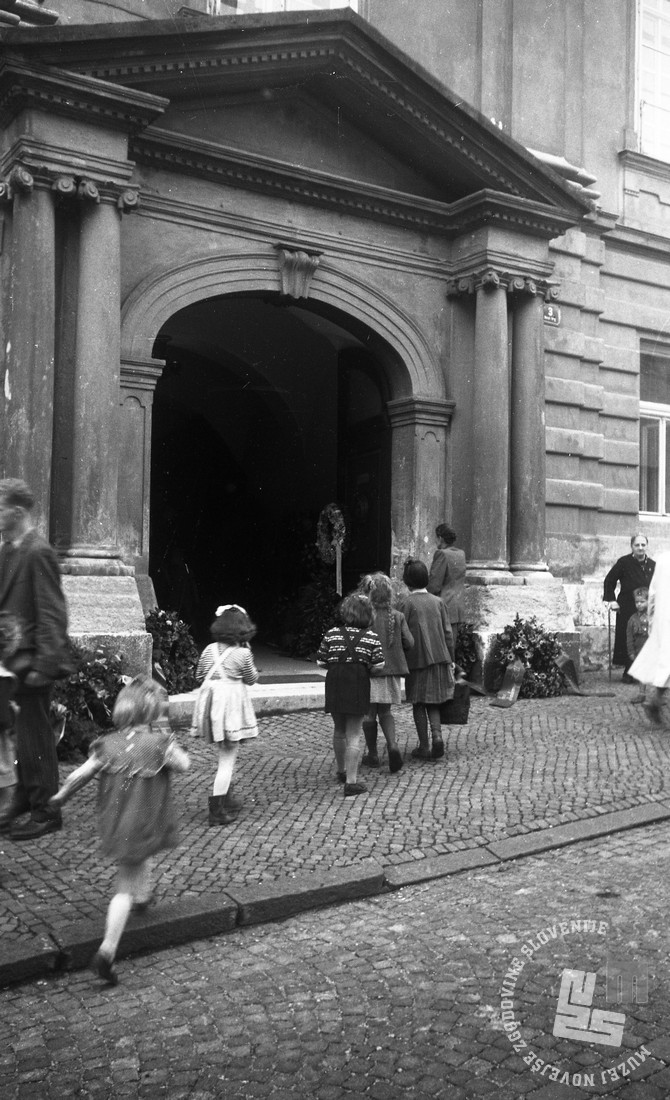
x: 263, y: 415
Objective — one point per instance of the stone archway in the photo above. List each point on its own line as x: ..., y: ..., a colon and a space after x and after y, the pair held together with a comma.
x: 416, y: 406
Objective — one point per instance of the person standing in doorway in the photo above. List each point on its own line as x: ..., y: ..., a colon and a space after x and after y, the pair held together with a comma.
x: 447, y: 575
x: 30, y: 589
x: 630, y: 572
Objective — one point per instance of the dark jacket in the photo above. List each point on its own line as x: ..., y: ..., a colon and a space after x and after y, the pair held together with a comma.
x: 429, y: 625
x: 30, y: 587
x: 630, y: 574
x: 447, y: 580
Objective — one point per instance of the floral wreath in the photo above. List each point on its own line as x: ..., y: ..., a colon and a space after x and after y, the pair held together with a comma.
x: 330, y: 530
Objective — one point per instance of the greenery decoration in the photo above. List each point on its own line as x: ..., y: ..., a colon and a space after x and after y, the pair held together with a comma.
x: 82, y: 704
x: 330, y: 530
x: 538, y: 649
x: 467, y: 654
x: 174, y: 651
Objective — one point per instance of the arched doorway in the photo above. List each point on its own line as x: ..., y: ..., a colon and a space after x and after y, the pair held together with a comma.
x: 267, y: 410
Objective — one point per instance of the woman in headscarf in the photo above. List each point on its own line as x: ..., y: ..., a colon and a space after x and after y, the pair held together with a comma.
x: 652, y: 665
x: 632, y: 571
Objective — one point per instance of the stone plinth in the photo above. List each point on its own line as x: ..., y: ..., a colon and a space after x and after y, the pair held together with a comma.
x: 106, y: 613
x: 492, y: 607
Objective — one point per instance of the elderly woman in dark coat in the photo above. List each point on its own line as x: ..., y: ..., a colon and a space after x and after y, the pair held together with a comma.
x: 632, y: 571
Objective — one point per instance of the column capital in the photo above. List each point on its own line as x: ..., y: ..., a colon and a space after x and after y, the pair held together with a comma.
x: 19, y: 182
x: 140, y: 376
x: 427, y: 411
x: 495, y: 278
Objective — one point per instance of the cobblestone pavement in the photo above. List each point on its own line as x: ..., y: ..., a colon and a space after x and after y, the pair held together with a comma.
x: 537, y: 765
x: 393, y: 997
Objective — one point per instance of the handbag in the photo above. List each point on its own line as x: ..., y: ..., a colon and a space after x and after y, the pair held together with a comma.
x: 348, y: 680
x: 201, y: 723
x: 456, y: 711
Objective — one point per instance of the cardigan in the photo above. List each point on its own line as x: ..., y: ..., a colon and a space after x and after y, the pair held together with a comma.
x: 429, y: 625
x: 447, y: 580
x: 395, y: 661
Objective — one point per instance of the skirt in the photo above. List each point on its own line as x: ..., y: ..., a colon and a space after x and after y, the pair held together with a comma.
x: 385, y: 689
x: 231, y: 713
x: 431, y: 685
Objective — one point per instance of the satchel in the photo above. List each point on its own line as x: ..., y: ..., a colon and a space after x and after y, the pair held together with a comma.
x: 456, y: 711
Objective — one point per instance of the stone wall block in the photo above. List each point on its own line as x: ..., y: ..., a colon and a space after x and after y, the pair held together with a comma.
x: 574, y: 494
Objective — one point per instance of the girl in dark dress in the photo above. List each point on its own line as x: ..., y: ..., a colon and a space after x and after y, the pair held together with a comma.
x: 137, y: 817
x: 349, y: 652
x: 632, y: 571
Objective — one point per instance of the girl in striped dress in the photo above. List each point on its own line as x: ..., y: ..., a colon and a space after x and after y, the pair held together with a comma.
x: 224, y: 713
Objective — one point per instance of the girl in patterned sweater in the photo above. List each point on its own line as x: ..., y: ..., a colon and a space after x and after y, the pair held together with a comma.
x: 349, y: 652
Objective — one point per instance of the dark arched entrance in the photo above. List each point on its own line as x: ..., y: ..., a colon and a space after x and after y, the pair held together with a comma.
x: 265, y: 412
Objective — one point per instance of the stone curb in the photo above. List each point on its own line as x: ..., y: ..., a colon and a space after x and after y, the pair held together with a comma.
x: 71, y: 946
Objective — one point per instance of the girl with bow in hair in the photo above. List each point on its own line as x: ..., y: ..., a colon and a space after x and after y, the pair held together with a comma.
x: 224, y: 713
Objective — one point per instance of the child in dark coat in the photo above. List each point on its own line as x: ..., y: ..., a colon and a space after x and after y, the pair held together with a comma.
x: 431, y: 680
x: 637, y: 630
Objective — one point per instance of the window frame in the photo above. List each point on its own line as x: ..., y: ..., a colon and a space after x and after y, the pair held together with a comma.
x: 652, y: 150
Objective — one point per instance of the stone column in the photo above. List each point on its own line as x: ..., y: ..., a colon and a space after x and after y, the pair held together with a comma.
x: 95, y: 430
x: 419, y: 435
x: 528, y: 447
x: 490, y: 432
x: 27, y: 380
x: 138, y: 382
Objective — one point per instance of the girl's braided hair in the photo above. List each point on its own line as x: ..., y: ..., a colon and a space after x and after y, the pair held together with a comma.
x: 379, y: 590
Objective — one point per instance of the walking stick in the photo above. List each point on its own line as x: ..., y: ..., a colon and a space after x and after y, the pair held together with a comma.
x: 609, y: 641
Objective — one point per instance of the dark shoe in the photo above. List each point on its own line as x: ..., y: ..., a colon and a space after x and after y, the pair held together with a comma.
x: 217, y: 811
x: 438, y: 748
x: 626, y: 679
x: 33, y: 830
x: 351, y: 789
x: 341, y: 777
x: 140, y: 907
x: 104, y: 968
x: 231, y: 805
x: 371, y: 760
x: 653, y: 713
x: 395, y: 760
x: 420, y: 753
x: 15, y: 806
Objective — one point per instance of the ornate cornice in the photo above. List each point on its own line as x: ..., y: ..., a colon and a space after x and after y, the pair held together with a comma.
x: 67, y: 188
x: 169, y: 151
x: 26, y: 86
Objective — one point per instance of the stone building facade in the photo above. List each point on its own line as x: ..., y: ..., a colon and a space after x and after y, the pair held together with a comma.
x: 253, y: 263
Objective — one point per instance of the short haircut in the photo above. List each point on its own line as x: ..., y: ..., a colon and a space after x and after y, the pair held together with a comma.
x: 446, y: 533
x: 641, y: 594
x: 139, y: 703
x: 639, y: 535
x: 415, y: 573
x: 356, y: 610
x: 16, y: 493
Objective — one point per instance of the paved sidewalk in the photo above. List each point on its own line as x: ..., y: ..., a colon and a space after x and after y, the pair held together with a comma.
x: 514, y: 781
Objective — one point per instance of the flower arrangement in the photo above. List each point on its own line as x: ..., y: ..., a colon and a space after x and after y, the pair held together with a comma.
x: 330, y: 530
x: 82, y: 704
x: 174, y: 650
x: 467, y: 654
x: 538, y: 649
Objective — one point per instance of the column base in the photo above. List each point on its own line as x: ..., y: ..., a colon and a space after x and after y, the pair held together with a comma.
x: 85, y: 561
x: 489, y: 573
x: 105, y: 612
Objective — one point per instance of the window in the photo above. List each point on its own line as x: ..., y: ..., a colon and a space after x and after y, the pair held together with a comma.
x: 655, y: 430
x: 253, y: 7
x: 654, y: 78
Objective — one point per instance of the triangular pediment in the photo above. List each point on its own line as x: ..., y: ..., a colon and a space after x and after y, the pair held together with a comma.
x: 316, y: 92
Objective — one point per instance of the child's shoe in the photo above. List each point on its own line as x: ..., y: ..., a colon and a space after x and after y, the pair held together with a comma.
x: 438, y: 748
x: 104, y: 968
x: 395, y: 760
x: 351, y: 789
x: 371, y: 760
x: 217, y: 811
